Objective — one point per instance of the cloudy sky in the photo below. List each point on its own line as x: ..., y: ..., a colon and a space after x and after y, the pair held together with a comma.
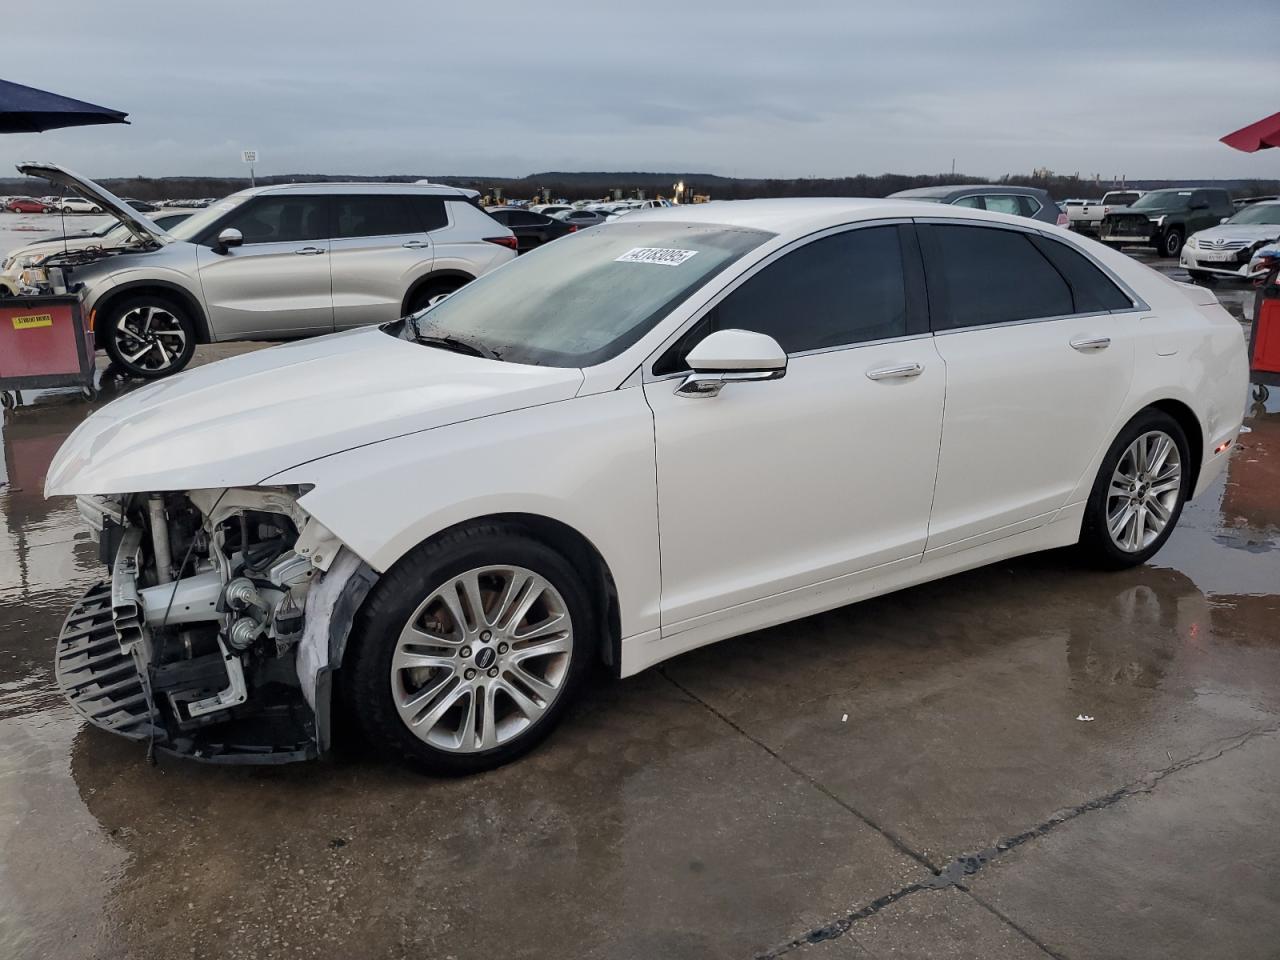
x: 737, y: 87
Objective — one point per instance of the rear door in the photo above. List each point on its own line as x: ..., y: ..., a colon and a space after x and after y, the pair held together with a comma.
x: 379, y: 248
x: 277, y: 283
x: 1037, y: 367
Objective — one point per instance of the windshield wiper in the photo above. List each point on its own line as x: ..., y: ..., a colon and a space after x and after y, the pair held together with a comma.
x: 456, y: 345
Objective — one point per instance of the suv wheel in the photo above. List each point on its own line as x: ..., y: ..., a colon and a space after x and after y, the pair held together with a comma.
x: 1171, y: 242
x: 467, y: 653
x: 1139, y: 492
x: 148, y: 336
x: 429, y: 293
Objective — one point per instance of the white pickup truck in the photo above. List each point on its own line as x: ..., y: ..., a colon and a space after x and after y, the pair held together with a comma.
x: 1085, y: 216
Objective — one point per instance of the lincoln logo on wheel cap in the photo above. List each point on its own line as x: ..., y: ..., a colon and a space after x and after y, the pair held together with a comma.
x: 485, y: 658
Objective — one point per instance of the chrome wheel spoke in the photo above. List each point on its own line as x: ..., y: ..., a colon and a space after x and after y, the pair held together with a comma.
x: 1144, y: 491
x: 482, y: 658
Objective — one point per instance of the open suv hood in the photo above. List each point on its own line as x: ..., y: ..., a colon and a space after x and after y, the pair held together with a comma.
x: 142, y: 228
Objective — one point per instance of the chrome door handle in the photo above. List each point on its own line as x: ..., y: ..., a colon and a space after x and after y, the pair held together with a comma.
x: 903, y: 371
x: 1091, y: 343
x: 415, y: 244
x: 308, y: 251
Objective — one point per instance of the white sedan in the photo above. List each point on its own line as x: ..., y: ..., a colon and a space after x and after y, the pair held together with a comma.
x: 644, y: 438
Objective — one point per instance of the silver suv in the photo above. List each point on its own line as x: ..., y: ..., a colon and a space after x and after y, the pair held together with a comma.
x: 273, y: 263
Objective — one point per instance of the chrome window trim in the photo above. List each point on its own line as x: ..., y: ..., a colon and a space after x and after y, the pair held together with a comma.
x: 1138, y: 304
x: 740, y: 279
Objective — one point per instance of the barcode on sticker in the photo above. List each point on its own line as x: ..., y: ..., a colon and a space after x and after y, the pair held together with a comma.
x: 663, y: 256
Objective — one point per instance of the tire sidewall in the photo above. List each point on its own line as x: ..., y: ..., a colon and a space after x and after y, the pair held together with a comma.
x: 366, y: 672
x: 118, y: 310
x: 1171, y: 236
x: 421, y: 299
x: 1094, y: 537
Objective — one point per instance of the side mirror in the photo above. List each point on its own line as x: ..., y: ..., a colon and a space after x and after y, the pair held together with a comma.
x: 731, y: 356
x: 228, y: 238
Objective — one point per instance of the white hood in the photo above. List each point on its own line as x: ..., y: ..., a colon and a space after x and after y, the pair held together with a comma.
x: 1252, y: 232
x: 238, y: 421
x: 139, y: 225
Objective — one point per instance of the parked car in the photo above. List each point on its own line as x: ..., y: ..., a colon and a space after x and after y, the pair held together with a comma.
x: 27, y: 205
x: 1087, y: 217
x: 583, y: 218
x: 78, y: 205
x: 1163, y: 219
x: 1016, y: 201
x: 1228, y: 249
x: 550, y: 209
x: 531, y: 229
x: 621, y: 449
x: 142, y: 206
x: 292, y: 260
x: 111, y: 235
x: 1239, y: 202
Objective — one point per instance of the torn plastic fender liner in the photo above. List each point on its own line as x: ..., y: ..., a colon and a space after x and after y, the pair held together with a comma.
x: 332, y: 604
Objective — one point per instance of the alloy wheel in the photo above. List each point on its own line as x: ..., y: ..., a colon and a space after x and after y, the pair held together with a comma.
x: 1144, y: 491
x: 150, y: 337
x: 482, y: 659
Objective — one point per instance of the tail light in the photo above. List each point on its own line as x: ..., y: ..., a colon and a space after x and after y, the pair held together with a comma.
x: 573, y: 228
x: 1063, y: 220
x: 508, y: 242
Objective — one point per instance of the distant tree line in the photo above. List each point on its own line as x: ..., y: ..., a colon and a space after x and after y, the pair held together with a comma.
x: 581, y: 186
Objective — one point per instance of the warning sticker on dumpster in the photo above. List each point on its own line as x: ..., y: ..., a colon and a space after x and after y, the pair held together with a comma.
x: 34, y: 320
x: 663, y: 256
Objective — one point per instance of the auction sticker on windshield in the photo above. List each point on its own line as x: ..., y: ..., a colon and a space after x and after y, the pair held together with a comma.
x: 663, y: 256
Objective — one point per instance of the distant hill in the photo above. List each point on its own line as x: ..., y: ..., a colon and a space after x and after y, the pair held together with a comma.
x: 580, y: 186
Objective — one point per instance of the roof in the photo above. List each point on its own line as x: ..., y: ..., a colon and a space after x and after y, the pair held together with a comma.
x: 959, y: 189
x: 804, y: 215
x: 430, y: 190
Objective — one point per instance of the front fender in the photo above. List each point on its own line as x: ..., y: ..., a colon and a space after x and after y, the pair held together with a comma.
x: 587, y: 463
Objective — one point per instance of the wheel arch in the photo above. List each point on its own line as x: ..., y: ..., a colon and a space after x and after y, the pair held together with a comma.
x: 162, y: 287
x: 583, y: 555
x: 1190, y: 425
x: 427, y: 280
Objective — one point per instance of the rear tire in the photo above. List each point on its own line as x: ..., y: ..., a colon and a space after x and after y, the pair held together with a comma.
x: 148, y: 336
x: 423, y: 297
x: 1135, y: 502
x: 456, y: 713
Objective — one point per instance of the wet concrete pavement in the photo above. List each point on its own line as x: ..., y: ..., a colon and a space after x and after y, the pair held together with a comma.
x: 720, y: 805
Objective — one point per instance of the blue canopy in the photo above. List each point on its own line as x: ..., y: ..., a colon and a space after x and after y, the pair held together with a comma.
x: 28, y: 110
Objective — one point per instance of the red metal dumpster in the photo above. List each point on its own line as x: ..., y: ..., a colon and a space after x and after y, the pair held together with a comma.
x: 44, y: 343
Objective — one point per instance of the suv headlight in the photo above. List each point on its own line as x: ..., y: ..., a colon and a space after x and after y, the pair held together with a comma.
x: 1158, y: 221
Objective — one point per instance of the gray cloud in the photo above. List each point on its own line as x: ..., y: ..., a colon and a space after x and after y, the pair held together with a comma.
x: 810, y: 87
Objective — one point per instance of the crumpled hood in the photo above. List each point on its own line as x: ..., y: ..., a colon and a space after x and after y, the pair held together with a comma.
x: 238, y: 421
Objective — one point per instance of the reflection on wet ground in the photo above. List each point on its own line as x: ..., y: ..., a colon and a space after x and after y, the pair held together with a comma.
x: 721, y: 805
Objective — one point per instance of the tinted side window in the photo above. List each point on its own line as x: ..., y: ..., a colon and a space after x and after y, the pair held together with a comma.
x: 1092, y: 289
x: 280, y: 220
x: 1003, y: 203
x: 843, y: 289
x: 975, y: 202
x: 500, y: 215
x: 988, y: 275
x: 519, y: 218
x: 372, y: 216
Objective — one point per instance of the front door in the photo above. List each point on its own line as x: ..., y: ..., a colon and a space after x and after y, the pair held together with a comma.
x: 1037, y: 369
x: 773, y: 486
x: 277, y: 283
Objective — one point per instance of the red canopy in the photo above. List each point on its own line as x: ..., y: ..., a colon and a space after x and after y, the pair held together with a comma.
x: 1256, y: 136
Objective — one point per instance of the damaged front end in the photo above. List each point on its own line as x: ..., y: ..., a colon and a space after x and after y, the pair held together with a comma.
x: 216, y: 636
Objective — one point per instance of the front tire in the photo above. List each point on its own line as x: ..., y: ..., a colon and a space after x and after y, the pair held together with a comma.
x: 148, y: 336
x: 467, y: 653
x: 1171, y: 243
x: 1139, y: 492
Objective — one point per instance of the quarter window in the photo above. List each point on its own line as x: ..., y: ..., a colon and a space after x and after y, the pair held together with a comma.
x: 988, y: 275
x: 1092, y: 290
x: 1030, y: 205
x: 280, y: 220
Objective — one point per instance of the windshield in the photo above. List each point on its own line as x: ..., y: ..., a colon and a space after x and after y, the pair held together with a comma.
x: 194, y: 225
x: 1163, y: 200
x: 1266, y: 213
x: 587, y: 297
